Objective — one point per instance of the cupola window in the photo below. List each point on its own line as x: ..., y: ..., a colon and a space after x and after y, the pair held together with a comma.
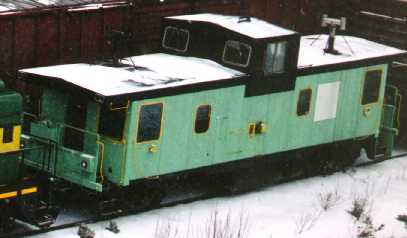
x: 176, y: 39
x: 237, y: 53
x: 275, y: 58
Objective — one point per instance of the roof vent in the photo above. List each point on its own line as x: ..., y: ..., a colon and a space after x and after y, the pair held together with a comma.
x: 333, y: 24
x: 244, y: 19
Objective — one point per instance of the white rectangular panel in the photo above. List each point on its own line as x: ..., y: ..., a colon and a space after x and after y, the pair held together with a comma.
x: 327, y: 101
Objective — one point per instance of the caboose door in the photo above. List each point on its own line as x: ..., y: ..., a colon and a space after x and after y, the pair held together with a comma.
x: 147, y: 141
x: 371, y: 102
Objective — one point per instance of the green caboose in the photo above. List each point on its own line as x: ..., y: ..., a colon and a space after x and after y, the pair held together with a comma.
x: 224, y: 90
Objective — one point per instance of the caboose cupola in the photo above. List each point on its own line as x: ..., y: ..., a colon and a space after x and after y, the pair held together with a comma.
x: 265, y: 51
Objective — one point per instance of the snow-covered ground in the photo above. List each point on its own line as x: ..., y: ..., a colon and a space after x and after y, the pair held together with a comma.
x: 294, y: 209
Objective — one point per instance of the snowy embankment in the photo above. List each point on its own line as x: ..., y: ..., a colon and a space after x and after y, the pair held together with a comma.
x: 314, y: 207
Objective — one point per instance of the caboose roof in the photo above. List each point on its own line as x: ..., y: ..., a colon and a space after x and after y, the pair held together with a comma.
x: 137, y: 74
x: 255, y: 28
x: 351, y: 49
x: 157, y: 74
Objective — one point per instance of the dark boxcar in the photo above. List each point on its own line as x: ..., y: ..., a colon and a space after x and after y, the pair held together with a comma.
x: 34, y: 34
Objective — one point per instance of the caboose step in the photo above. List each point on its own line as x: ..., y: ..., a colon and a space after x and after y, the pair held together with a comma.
x: 45, y: 215
x: 38, y: 213
x: 45, y: 221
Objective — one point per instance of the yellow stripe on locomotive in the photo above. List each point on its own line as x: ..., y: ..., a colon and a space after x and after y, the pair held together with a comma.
x: 15, y: 193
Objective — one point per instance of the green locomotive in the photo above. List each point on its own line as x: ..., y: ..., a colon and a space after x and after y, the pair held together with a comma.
x: 19, y: 191
x: 224, y: 91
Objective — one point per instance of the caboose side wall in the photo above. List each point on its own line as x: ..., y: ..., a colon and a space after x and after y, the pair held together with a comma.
x: 180, y: 148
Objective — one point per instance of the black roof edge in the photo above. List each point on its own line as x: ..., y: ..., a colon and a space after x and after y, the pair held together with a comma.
x: 61, y: 85
x: 349, y: 65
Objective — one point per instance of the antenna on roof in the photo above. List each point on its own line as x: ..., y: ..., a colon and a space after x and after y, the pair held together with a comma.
x: 118, y: 41
x: 244, y: 10
x: 244, y: 19
x: 333, y: 24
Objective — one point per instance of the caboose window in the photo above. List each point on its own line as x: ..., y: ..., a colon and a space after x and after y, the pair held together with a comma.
x: 203, y: 118
x: 237, y: 53
x: 371, y: 88
x: 275, y: 58
x: 112, y: 121
x: 304, y: 102
x: 149, y: 127
x: 175, y: 39
x: 7, y: 134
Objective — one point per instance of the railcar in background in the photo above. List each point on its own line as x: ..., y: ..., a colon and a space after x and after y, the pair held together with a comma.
x: 225, y: 93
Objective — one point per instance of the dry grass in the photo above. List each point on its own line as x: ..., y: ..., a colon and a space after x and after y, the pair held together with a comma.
x: 216, y: 226
x: 306, y: 221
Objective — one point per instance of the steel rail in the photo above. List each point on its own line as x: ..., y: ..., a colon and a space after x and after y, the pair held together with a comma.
x: 381, y: 159
x: 92, y: 220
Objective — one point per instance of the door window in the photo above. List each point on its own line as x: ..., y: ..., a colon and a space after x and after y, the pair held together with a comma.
x: 371, y: 88
x: 112, y: 121
x: 149, y: 127
x: 75, y: 121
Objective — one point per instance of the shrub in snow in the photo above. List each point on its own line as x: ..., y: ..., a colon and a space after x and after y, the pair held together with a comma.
x: 217, y: 226
x: 360, y: 211
x: 359, y: 207
x: 226, y: 227
x: 306, y: 221
x: 165, y: 230
x: 329, y: 199
x: 366, y: 229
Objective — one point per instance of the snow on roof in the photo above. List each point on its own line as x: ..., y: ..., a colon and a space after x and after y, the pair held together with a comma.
x: 149, y: 72
x: 255, y: 28
x: 351, y: 49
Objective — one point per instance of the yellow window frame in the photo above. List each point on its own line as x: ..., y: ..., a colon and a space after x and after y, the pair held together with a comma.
x: 210, y: 118
x: 310, y: 102
x: 111, y: 108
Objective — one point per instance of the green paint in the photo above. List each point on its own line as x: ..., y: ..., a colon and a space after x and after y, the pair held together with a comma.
x: 10, y: 114
x: 180, y: 148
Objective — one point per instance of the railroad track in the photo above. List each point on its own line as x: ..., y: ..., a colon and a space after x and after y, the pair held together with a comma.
x: 96, y: 219
x: 92, y: 220
x: 381, y: 159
